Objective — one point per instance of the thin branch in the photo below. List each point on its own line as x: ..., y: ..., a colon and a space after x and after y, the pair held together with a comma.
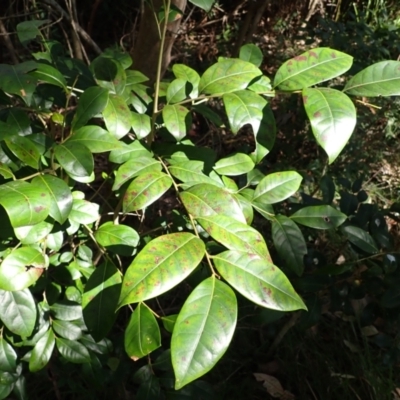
x: 8, y: 43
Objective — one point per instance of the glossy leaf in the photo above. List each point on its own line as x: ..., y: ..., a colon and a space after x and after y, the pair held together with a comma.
x: 18, y: 311
x: 191, y: 172
x: 66, y: 310
x: 21, y: 268
x: 145, y: 190
x: 277, y: 187
x: 109, y: 74
x: 141, y: 124
x: 66, y: 329
x: 75, y: 158
x: 234, y: 235
x: 206, y: 5
x: 96, y: 139
x: 319, y: 217
x: 203, y: 200
x: 33, y: 234
x: 72, y: 351
x: 175, y: 120
x: 246, y: 207
x: 244, y: 107
x: 127, y: 152
x: 8, y: 357
x: 203, y: 330
x: 379, y: 79
x: 236, y: 164
x: 289, y: 243
x: 29, y: 30
x: 312, y: 67
x: 84, y: 212
x: 228, y: 75
x: 135, y: 167
x: 258, y: 280
x: 42, y: 351
x: 91, y: 102
x: 360, y: 238
x: 251, y: 53
x: 142, y: 334
x: 100, y: 299
x: 176, y: 91
x: 60, y: 196
x: 188, y: 74
x: 48, y: 74
x: 161, y: 265
x: 265, y: 136
x: 332, y: 116
x: 19, y: 120
x: 5, y: 171
x: 25, y: 203
x: 120, y: 239
x: 25, y: 150
x: 117, y: 116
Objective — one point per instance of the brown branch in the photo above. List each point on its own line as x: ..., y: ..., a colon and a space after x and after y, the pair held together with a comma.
x: 8, y: 43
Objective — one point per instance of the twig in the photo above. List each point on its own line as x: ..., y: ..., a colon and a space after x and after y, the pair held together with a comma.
x: 8, y: 43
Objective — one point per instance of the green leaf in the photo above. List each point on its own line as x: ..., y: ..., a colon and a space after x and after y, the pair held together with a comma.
x: 319, y: 217
x: 277, y: 187
x: 312, y: 67
x: 84, y: 212
x: 262, y: 86
x: 109, y: 74
x: 21, y: 268
x: 8, y: 357
x: 73, y: 351
x: 289, y: 243
x: 5, y: 171
x: 228, y: 75
x: 48, y: 74
x: 120, y: 239
x: 133, y: 77
x: 176, y: 91
x: 18, y: 311
x: 251, y: 53
x: 100, y: 299
x: 19, y: 120
x: 25, y: 150
x: 66, y: 310
x: 175, y: 120
x: 141, y: 124
x: 117, y: 116
x: 60, y: 196
x: 244, y: 107
x: 188, y: 74
x: 265, y: 136
x: 145, y: 190
x: 360, y: 238
x: 33, y: 234
x: 42, y: 352
x: 29, y: 30
x: 135, y: 167
x: 379, y: 79
x: 127, y: 152
x: 258, y: 280
x: 96, y: 139
x: 169, y: 322
x: 206, y: 5
x: 142, y: 334
x: 235, y: 235
x: 246, y: 207
x: 161, y: 265
x: 235, y: 164
x: 91, y: 102
x: 333, y: 118
x: 25, y: 203
x: 75, y: 158
x: 203, y: 330
x: 67, y: 329
x: 204, y: 200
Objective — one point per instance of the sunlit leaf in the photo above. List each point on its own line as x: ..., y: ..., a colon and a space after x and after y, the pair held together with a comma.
x: 48, y: 74
x: 175, y: 119
x: 25, y: 150
x: 72, y: 350
x: 117, y: 116
x: 141, y: 124
x: 8, y: 356
x: 251, y: 53
x: 188, y: 74
x: 42, y: 351
x: 75, y: 158
x: 319, y: 217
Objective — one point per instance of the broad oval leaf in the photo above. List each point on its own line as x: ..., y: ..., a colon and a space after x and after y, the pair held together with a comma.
x: 95, y: 138
x: 258, y: 280
x: 84, y: 212
x: 18, y: 311
x: 100, y: 299
x: 75, y: 158
x: 67, y: 329
x: 25, y: 203
x: 66, y: 310
x: 109, y: 73
x: 25, y: 150
x: 33, y: 234
x: 142, y: 334
x: 117, y: 116
x: 191, y: 173
x: 60, y: 196
x: 8, y: 357
x: 251, y: 53
x: 236, y: 164
x: 380, y: 79
x: 128, y: 152
x: 21, y: 268
x: 319, y: 217
x: 91, y: 102
x: 48, y: 74
x: 206, y: 5
x: 332, y: 116
x: 18, y: 122
x: 141, y: 124
x: 228, y: 75
x: 203, y: 330
x: 312, y: 67
x: 42, y: 351
x: 244, y: 107
x: 235, y: 235
x: 176, y: 91
x: 188, y: 74
x: 175, y: 120
x: 204, y: 199
x: 277, y: 187
x: 360, y: 238
x: 289, y: 243
x: 73, y: 351
x: 161, y: 265
x: 145, y: 190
